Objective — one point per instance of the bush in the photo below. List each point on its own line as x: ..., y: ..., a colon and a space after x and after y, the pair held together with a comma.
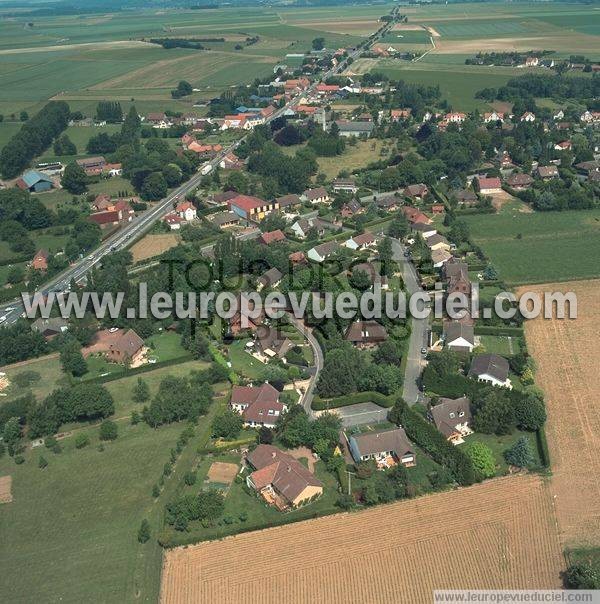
x: 42, y: 463
x: 190, y: 478
x: 144, y: 531
x: 320, y: 404
x: 108, y: 430
x: 482, y: 458
x: 82, y: 440
x: 19, y: 459
x: 520, y: 454
x: 155, y: 491
x: 582, y: 575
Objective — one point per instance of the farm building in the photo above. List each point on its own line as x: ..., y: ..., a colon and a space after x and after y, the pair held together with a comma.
x: 35, y: 182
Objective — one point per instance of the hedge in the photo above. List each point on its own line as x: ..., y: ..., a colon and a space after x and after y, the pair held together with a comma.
x: 492, y: 330
x: 220, y: 359
x: 320, y: 404
x: 433, y: 442
x: 542, y: 445
x: 103, y: 379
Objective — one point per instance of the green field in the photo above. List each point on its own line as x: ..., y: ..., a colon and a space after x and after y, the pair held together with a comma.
x: 406, y: 37
x: 541, y: 247
x: 96, y: 500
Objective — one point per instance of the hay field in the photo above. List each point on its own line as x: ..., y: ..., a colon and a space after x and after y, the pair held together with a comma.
x: 5, y: 489
x: 566, y: 354
x: 503, y: 532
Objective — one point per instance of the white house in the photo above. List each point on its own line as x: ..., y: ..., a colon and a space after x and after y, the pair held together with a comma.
x: 361, y: 242
x: 528, y: 117
x: 321, y: 252
x: 186, y: 211
x: 491, y: 368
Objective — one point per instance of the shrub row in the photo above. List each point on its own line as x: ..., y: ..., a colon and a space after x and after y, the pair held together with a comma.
x: 320, y: 404
x: 433, y: 442
x: 102, y: 379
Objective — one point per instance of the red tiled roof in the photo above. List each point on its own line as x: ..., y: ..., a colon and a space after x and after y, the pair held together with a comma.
x: 246, y: 202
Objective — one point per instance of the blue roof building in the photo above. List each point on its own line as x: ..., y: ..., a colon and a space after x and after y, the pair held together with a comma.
x: 35, y: 182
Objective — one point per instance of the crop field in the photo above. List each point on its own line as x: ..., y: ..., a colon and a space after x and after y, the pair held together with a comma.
x: 153, y: 245
x: 540, y: 247
x: 566, y: 354
x: 509, y: 541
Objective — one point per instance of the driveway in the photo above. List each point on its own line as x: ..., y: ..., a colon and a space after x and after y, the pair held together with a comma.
x: 361, y: 413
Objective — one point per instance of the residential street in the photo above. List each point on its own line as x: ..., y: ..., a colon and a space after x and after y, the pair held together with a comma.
x: 419, y: 327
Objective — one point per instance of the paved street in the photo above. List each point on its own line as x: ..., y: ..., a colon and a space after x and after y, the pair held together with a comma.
x: 419, y: 327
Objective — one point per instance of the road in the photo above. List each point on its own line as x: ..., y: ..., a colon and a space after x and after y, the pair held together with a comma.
x: 309, y: 393
x: 419, y: 328
x: 142, y: 223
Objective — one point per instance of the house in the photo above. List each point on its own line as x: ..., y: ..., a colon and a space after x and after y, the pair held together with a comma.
x: 320, y: 253
x: 92, y: 166
x: 465, y: 197
x: 547, y: 172
x: 493, y: 116
x: 303, y: 226
x: 386, y: 447
x: 186, y: 210
x: 123, y: 206
x: 224, y: 197
x: 40, y: 261
x: 371, y: 271
x: 288, y: 201
x: 257, y: 406
x: 297, y: 258
x: 324, y: 90
x: 440, y: 257
x: 455, y: 117
x: 528, y: 117
x: 416, y: 192
x: 389, y: 203
x: 234, y: 122
x: 349, y: 128
x: 251, y: 208
x: 35, y: 182
x: 281, y: 479
x: 224, y: 220
x: 413, y: 215
x: 318, y: 195
x: 271, y: 278
x: 459, y: 337
x: 559, y: 115
x: 272, y: 343
x: 127, y: 348
x: 488, y: 186
x: 438, y: 208
x: 106, y: 217
x: 231, y: 162
x: 424, y: 229
x: 437, y: 242
x: 345, y: 184
x: 361, y: 242
x: 490, y: 368
x: 531, y: 62
x: 587, y: 167
x: 350, y: 209
x: 519, y: 182
x: 452, y: 418
x: 400, y: 114
x: 563, y: 146
x: 200, y: 149
x: 173, y: 221
x: 244, y: 319
x: 112, y: 170
x: 51, y: 327
x: 271, y: 237
x: 456, y: 274
x: 158, y: 120
x: 366, y: 334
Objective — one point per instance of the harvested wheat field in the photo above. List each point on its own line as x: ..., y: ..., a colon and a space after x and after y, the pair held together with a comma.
x: 5, y: 489
x: 503, y: 532
x: 567, y: 354
x: 153, y: 245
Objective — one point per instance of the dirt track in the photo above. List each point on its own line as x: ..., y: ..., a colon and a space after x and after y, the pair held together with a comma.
x: 567, y: 355
x: 500, y: 534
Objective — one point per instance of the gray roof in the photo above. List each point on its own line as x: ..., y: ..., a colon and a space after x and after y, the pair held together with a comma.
x: 490, y: 364
x: 53, y: 325
x: 456, y: 329
x: 288, y: 200
x: 270, y: 277
x: 348, y: 126
x: 325, y: 249
x: 224, y: 218
x: 394, y: 440
x: 447, y: 413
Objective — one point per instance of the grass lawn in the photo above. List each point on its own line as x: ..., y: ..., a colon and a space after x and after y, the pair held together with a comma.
x: 353, y: 157
x: 242, y: 362
x: 499, y: 444
x: 503, y: 345
x: 50, y: 377
x: 75, y: 522
x: 259, y: 514
x: 165, y: 346
x: 523, y: 246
